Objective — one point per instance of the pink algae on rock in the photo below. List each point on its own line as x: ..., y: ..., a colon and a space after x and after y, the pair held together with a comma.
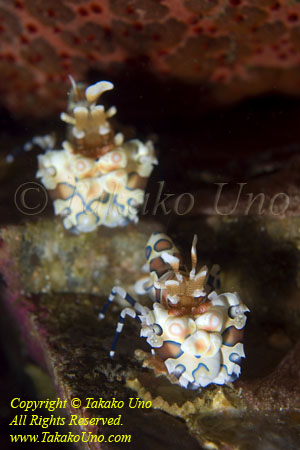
x: 236, y: 48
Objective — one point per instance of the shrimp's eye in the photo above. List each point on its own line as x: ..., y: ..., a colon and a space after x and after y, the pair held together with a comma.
x: 157, y: 329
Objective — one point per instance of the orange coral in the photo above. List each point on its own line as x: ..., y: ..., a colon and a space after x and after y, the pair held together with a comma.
x: 244, y: 45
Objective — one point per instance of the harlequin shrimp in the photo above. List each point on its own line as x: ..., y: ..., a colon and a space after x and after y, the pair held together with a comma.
x: 96, y: 178
x: 196, y: 332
